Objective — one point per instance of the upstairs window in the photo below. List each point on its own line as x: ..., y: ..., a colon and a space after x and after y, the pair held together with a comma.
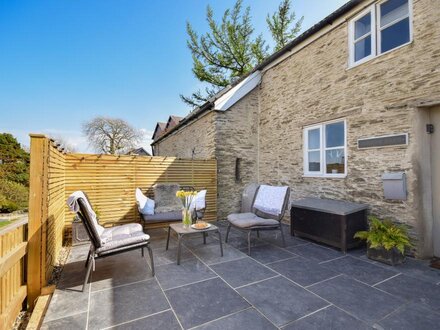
x: 381, y: 28
x: 325, y: 150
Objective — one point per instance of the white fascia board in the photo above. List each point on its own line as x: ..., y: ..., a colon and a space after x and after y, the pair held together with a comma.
x: 227, y: 100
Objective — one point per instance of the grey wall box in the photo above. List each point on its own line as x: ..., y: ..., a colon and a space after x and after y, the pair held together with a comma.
x: 394, y: 185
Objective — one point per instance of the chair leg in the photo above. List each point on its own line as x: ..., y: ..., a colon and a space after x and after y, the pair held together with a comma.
x: 88, y: 260
x: 91, y: 265
x: 282, y: 235
x: 258, y: 233
x: 227, y: 233
x: 150, y: 252
x: 142, y: 252
x: 249, y: 242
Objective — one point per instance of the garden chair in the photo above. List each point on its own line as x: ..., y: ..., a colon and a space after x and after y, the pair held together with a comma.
x: 107, y: 241
x: 265, y: 212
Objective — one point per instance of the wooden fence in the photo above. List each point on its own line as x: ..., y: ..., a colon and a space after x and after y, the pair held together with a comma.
x: 110, y: 183
x: 13, y: 247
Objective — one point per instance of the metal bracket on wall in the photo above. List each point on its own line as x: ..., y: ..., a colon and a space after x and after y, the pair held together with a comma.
x: 429, y: 128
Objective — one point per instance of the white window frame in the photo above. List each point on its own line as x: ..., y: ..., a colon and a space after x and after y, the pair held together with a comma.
x: 322, y: 173
x: 376, y: 30
x: 352, y: 40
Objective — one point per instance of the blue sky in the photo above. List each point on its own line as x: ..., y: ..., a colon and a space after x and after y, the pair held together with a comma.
x: 63, y: 62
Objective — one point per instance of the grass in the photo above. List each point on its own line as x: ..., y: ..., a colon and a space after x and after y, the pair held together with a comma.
x: 5, y: 223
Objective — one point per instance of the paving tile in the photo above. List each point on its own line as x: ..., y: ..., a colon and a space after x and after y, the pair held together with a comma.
x: 358, y: 299
x: 315, y: 252
x: 242, y: 271
x: 289, y: 239
x: 163, y: 256
x: 247, y: 319
x: 302, y: 271
x: 73, y: 322
x: 128, y: 267
x: 125, y: 303
x: 240, y: 242
x: 165, y: 320
x: 73, y: 276
x: 361, y: 270
x: 269, y: 253
x: 210, y: 254
x: 205, y: 301
x: 189, y: 271
x: 418, y: 269
x: 280, y: 300
x: 412, y: 316
x: 413, y: 289
x: 78, y: 253
x: 330, y: 318
x: 66, y: 303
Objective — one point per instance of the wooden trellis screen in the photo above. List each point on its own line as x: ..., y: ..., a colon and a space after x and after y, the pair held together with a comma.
x: 109, y: 181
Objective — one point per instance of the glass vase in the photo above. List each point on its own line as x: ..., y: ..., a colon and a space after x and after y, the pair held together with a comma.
x: 186, y: 218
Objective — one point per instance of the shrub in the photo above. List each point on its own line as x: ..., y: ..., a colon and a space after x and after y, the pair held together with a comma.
x: 385, y: 234
x: 13, y: 196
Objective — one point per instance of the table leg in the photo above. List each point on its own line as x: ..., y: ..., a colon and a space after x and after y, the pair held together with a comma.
x: 204, y: 238
x: 179, y: 245
x: 220, y: 240
x: 168, y: 237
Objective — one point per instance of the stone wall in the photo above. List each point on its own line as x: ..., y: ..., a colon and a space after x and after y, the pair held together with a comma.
x: 194, y: 141
x: 236, y: 138
x: 314, y: 86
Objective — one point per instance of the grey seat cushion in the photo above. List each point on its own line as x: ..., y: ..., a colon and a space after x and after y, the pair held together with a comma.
x: 247, y: 220
x: 162, y: 217
x: 165, y: 198
x: 120, y: 236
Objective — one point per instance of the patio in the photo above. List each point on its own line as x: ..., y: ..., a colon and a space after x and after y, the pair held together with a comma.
x: 302, y: 286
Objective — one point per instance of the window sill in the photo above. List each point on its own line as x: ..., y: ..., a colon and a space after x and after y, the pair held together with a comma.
x: 325, y: 176
x: 355, y: 65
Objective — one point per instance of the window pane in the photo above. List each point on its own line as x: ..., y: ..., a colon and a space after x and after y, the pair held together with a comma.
x: 314, y: 161
x: 362, y: 26
x: 395, y: 35
x: 314, y: 139
x: 334, y: 135
x: 393, y: 10
x: 335, y: 161
x: 362, y: 49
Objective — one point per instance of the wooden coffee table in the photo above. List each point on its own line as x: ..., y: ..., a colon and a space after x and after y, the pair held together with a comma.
x: 181, y: 232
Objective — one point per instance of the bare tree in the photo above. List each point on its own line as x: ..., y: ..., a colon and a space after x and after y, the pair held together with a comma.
x: 111, y: 135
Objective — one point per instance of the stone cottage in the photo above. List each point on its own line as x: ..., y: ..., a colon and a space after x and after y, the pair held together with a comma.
x: 352, y: 98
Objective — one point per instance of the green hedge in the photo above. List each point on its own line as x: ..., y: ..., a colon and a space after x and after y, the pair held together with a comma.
x: 13, y: 196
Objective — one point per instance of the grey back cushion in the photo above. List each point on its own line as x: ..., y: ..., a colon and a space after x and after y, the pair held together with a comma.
x: 248, y: 197
x: 165, y: 198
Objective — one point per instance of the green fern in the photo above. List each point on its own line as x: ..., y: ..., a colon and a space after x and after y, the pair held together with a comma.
x: 385, y: 234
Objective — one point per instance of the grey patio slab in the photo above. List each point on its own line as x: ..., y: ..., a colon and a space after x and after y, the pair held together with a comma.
x: 281, y: 301
x: 356, y: 298
x: 330, y: 318
x: 413, y: 289
x: 164, y: 257
x: 121, y: 269
x: 189, y: 271
x: 315, y: 252
x: 125, y: 303
x: 302, y: 271
x: 361, y: 270
x: 164, y: 320
x: 269, y: 253
x: 242, y: 271
x: 73, y: 322
x: 78, y: 253
x: 247, y: 319
x: 418, y: 269
x: 66, y: 303
x: 412, y: 316
x: 205, y: 301
x: 210, y: 254
x: 73, y: 276
x: 289, y: 239
x: 240, y: 242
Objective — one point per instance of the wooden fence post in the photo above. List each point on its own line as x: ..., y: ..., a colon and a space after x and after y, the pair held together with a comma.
x: 37, y: 210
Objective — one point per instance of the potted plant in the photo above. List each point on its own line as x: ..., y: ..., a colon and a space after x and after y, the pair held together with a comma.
x: 386, y: 241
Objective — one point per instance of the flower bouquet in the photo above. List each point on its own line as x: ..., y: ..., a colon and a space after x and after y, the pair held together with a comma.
x: 186, y: 197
